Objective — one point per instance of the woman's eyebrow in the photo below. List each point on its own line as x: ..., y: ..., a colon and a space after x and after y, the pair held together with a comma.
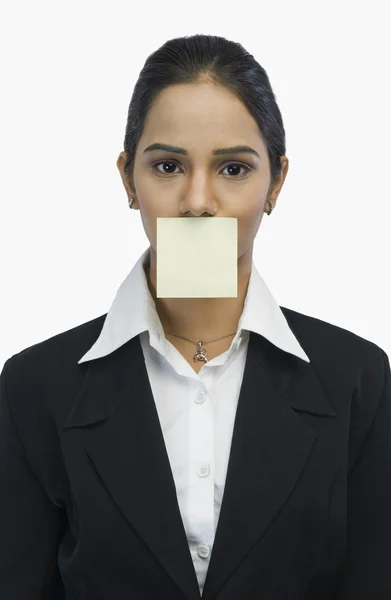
x: 177, y: 150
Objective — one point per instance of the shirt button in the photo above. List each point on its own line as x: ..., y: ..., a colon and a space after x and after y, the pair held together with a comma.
x: 203, y: 471
x: 200, y: 397
x: 203, y: 551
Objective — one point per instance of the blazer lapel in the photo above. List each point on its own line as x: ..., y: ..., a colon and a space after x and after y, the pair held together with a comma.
x: 269, y: 450
x: 127, y: 449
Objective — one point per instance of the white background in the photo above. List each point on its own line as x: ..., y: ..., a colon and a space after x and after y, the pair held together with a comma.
x: 68, y: 238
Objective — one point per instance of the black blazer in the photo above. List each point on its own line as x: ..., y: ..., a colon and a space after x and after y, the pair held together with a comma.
x: 88, y: 506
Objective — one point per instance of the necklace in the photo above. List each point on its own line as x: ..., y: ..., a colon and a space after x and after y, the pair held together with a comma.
x: 201, y: 353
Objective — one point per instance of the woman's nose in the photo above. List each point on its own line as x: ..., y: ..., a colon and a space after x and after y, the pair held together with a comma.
x: 199, y: 205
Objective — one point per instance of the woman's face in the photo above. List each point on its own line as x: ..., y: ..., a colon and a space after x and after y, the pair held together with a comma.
x: 199, y: 118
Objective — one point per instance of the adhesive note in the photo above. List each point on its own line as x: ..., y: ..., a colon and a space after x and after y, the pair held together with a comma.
x: 197, y: 257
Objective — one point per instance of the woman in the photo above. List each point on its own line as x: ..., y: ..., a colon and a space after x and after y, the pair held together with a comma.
x: 179, y: 447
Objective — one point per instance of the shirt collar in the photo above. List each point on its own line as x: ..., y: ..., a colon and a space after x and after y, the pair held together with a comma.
x: 133, y: 311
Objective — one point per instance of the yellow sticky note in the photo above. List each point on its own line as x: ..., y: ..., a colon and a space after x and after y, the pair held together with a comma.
x: 197, y: 257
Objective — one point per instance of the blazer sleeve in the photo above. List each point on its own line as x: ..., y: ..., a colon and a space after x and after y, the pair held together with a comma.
x: 30, y: 524
x: 367, y: 572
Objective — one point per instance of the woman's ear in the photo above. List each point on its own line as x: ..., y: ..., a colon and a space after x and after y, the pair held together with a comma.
x: 127, y: 180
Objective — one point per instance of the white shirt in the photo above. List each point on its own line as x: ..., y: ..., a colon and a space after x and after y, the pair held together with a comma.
x: 196, y: 410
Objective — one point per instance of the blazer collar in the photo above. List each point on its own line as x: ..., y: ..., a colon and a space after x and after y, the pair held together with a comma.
x: 115, y: 421
x: 133, y: 311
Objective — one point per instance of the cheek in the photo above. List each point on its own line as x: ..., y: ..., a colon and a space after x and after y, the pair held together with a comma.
x: 148, y: 214
x: 248, y: 225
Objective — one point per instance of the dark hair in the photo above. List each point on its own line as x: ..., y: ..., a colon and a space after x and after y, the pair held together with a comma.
x: 199, y: 58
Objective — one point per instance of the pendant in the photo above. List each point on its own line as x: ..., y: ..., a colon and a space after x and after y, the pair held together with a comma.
x: 201, y: 353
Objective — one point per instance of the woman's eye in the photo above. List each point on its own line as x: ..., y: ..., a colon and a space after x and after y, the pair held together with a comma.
x: 172, y: 165
x: 236, y: 167
x: 164, y: 162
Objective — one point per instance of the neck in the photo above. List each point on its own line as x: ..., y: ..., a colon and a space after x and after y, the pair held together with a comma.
x: 201, y: 318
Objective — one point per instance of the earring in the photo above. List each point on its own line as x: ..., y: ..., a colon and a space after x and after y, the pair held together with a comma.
x: 130, y: 202
x: 270, y: 203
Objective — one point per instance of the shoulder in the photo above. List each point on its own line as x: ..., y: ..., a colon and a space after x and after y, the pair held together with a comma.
x: 341, y: 354
x: 57, y: 353
x: 330, y: 338
x: 40, y: 383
